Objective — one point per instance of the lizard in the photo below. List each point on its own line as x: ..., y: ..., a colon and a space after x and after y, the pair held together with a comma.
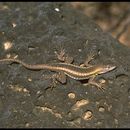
x: 67, y: 69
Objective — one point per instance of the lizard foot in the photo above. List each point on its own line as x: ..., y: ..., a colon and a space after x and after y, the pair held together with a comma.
x: 97, y: 85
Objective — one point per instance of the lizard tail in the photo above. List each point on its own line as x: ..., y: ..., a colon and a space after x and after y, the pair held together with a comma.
x: 28, y: 66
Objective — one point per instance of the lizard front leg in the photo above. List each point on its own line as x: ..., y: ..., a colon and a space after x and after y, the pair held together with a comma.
x: 93, y: 82
x: 88, y: 59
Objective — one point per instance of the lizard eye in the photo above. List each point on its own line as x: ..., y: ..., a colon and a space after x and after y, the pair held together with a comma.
x: 111, y: 67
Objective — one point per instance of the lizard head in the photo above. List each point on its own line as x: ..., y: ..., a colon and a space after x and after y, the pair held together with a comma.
x: 105, y: 68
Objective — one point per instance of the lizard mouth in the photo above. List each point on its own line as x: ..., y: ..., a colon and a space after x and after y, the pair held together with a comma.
x: 108, y: 68
x: 111, y: 68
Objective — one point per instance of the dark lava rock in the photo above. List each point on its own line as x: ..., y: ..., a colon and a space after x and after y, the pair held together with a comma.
x: 34, y: 32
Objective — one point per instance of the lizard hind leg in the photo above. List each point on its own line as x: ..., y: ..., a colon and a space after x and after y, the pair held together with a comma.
x: 61, y: 77
x: 64, y: 58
